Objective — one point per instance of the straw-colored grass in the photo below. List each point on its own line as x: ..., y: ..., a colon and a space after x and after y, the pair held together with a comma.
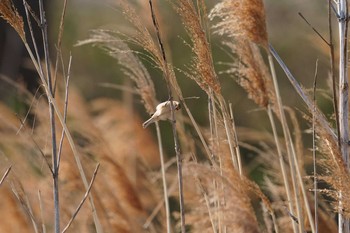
x: 134, y: 189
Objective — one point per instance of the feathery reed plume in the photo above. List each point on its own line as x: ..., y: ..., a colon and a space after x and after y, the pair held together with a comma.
x: 142, y: 36
x: 203, y: 70
x: 9, y: 13
x: 132, y: 67
x: 231, y: 194
x: 251, y: 72
x: 241, y: 19
x: 334, y: 171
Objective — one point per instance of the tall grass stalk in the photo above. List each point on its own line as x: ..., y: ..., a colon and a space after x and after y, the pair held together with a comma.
x: 282, y: 165
x: 318, y: 117
x: 293, y: 158
x: 292, y: 163
x: 238, y: 153
x: 229, y: 135
x: 52, y: 119
x: 214, y: 133
x: 197, y: 128
x: 167, y: 74
x: 165, y: 189
x: 309, y: 103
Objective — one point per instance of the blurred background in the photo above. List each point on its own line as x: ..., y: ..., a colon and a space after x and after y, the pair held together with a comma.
x: 293, y: 39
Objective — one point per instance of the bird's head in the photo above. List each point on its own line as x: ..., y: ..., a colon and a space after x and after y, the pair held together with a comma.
x: 177, y: 105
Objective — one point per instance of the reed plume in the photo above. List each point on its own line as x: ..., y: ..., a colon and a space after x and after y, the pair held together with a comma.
x: 9, y: 13
x: 244, y: 19
x: 202, y: 65
x: 130, y: 64
x: 228, y: 193
x: 251, y: 72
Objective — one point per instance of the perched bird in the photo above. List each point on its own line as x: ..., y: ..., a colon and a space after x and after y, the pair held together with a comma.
x: 163, y: 112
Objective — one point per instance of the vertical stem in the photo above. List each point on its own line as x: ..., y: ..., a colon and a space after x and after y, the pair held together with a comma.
x: 282, y: 165
x: 292, y: 163
x: 43, y: 23
x: 165, y: 190
x: 331, y: 51
x: 343, y: 80
x: 68, y: 135
x: 343, y: 224
x: 228, y: 133
x: 65, y: 112
x: 314, y: 150
x: 238, y: 153
x: 167, y: 75
x: 292, y: 159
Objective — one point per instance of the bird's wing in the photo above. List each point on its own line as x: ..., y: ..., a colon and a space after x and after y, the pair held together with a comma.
x: 161, y: 105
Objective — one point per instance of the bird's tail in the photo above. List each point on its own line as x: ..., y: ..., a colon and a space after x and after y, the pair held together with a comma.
x: 147, y: 123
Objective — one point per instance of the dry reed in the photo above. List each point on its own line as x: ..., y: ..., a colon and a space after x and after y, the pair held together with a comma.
x: 9, y: 13
x: 244, y: 19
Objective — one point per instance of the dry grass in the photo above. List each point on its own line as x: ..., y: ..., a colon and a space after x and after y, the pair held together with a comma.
x: 244, y: 19
x: 219, y: 195
x: 9, y: 13
x: 218, y: 201
x: 252, y: 73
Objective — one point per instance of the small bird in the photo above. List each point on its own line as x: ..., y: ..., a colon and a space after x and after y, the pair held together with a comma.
x: 163, y: 112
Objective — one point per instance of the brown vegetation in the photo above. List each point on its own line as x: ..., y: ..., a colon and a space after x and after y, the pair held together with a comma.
x: 126, y: 194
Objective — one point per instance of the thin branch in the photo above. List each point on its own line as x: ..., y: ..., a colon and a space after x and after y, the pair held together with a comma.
x: 5, y: 175
x: 43, y: 24
x: 83, y: 200
x: 68, y: 135
x: 314, y: 29
x: 32, y: 13
x: 38, y: 59
x: 65, y: 112
x: 59, y: 42
x: 51, y: 99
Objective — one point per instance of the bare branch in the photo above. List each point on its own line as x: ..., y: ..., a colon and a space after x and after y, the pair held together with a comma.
x: 65, y: 112
x: 314, y: 29
x: 83, y: 200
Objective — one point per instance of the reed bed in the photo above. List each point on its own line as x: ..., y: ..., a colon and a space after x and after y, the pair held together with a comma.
x: 71, y: 165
